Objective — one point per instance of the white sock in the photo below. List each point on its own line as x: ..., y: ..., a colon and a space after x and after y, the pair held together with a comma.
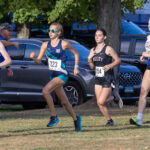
x: 139, y: 116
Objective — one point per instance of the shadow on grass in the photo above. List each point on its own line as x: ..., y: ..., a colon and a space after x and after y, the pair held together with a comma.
x: 61, y: 130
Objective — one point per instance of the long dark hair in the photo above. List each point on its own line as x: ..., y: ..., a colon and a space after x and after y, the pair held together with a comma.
x: 102, y: 30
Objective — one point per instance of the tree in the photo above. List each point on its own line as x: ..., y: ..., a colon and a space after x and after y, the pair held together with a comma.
x: 26, y: 12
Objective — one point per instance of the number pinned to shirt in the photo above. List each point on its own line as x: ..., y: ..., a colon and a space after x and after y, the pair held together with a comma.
x: 54, y: 64
x: 99, y: 72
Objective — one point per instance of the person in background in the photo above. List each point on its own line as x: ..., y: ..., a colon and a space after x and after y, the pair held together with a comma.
x: 5, y: 34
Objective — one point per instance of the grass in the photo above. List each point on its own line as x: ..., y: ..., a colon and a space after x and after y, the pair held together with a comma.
x: 26, y: 130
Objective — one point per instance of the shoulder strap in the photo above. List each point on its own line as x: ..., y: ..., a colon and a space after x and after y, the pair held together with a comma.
x: 104, y: 48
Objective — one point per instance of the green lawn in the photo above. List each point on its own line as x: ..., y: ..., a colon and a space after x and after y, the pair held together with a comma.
x: 26, y: 130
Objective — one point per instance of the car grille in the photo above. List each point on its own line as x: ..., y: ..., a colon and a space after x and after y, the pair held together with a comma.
x: 130, y: 78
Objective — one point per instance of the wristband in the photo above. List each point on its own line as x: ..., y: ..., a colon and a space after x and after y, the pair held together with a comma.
x: 76, y: 66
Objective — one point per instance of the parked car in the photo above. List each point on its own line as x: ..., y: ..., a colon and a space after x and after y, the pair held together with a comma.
x: 85, y: 32
x: 26, y: 85
x: 131, y: 50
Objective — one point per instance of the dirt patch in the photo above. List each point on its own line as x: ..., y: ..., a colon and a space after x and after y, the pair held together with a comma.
x: 88, y: 108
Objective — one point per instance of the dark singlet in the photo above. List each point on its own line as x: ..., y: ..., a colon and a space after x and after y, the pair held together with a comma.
x: 100, y: 60
x: 57, y: 61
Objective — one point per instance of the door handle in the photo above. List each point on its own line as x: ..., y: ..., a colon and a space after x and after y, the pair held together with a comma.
x: 24, y: 67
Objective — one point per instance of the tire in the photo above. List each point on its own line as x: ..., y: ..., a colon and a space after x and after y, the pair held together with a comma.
x: 74, y: 93
x: 28, y: 106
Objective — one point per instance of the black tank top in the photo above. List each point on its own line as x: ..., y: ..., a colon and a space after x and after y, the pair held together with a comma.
x: 101, y: 59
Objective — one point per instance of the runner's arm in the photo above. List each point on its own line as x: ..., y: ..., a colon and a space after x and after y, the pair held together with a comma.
x: 38, y: 59
x: 110, y: 51
x: 7, y: 43
x: 90, y: 62
x: 7, y: 59
x: 67, y: 45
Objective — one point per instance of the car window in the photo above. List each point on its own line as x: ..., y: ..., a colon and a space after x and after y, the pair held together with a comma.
x: 139, y: 47
x: 16, y: 53
x: 31, y: 48
x: 83, y: 52
x: 124, y: 46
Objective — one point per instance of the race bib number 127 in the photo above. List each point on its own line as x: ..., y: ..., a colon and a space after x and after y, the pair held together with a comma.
x: 54, y: 64
x: 99, y: 72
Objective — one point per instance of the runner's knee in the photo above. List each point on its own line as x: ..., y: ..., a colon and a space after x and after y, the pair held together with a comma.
x: 100, y: 104
x: 65, y: 103
x: 45, y: 91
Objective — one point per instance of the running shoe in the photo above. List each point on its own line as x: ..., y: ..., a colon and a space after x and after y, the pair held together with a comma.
x: 53, y: 121
x: 77, y: 124
x: 117, y: 99
x: 134, y: 121
x: 109, y: 123
x: 118, y: 102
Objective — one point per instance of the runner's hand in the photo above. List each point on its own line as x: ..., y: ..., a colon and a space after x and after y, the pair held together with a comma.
x: 32, y: 55
x: 106, y: 68
x: 142, y: 58
x: 10, y: 72
x: 76, y: 71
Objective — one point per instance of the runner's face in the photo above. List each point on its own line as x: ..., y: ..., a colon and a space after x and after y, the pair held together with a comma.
x: 54, y: 32
x: 99, y: 37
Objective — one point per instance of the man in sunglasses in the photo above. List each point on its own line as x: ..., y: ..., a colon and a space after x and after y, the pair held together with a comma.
x: 5, y: 34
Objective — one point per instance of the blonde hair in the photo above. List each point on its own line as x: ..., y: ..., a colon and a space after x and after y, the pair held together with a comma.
x: 59, y: 27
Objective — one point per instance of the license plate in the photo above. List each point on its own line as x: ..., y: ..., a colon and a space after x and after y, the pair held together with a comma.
x: 129, y: 89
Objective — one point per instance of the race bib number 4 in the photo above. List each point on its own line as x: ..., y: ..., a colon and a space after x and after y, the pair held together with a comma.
x: 99, y: 72
x: 54, y: 64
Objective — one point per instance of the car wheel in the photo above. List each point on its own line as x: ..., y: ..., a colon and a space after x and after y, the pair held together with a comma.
x: 35, y: 105
x: 74, y: 93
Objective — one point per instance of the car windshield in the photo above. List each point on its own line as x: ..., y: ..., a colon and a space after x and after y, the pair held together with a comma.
x: 83, y: 52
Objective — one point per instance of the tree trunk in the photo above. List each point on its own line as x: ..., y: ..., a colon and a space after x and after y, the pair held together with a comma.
x: 23, y: 30
x: 109, y: 18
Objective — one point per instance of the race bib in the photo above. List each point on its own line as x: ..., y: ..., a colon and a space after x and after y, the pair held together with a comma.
x: 99, y: 71
x: 54, y: 64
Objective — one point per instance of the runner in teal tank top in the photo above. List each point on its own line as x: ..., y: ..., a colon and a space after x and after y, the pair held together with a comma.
x: 55, y: 51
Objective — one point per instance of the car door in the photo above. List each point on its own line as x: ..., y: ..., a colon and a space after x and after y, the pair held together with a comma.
x: 32, y: 76
x: 139, y: 46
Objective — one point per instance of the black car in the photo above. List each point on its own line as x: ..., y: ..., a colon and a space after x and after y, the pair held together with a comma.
x: 26, y: 85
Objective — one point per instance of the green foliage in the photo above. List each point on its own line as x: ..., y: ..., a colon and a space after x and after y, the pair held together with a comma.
x: 3, y: 9
x: 64, y: 11
x: 73, y: 10
x: 132, y: 5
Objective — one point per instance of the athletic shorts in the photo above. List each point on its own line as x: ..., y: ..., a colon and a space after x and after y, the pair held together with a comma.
x: 105, y: 81
x: 58, y: 74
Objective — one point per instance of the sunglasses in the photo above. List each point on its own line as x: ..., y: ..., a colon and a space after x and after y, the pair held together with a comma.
x: 53, y: 30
